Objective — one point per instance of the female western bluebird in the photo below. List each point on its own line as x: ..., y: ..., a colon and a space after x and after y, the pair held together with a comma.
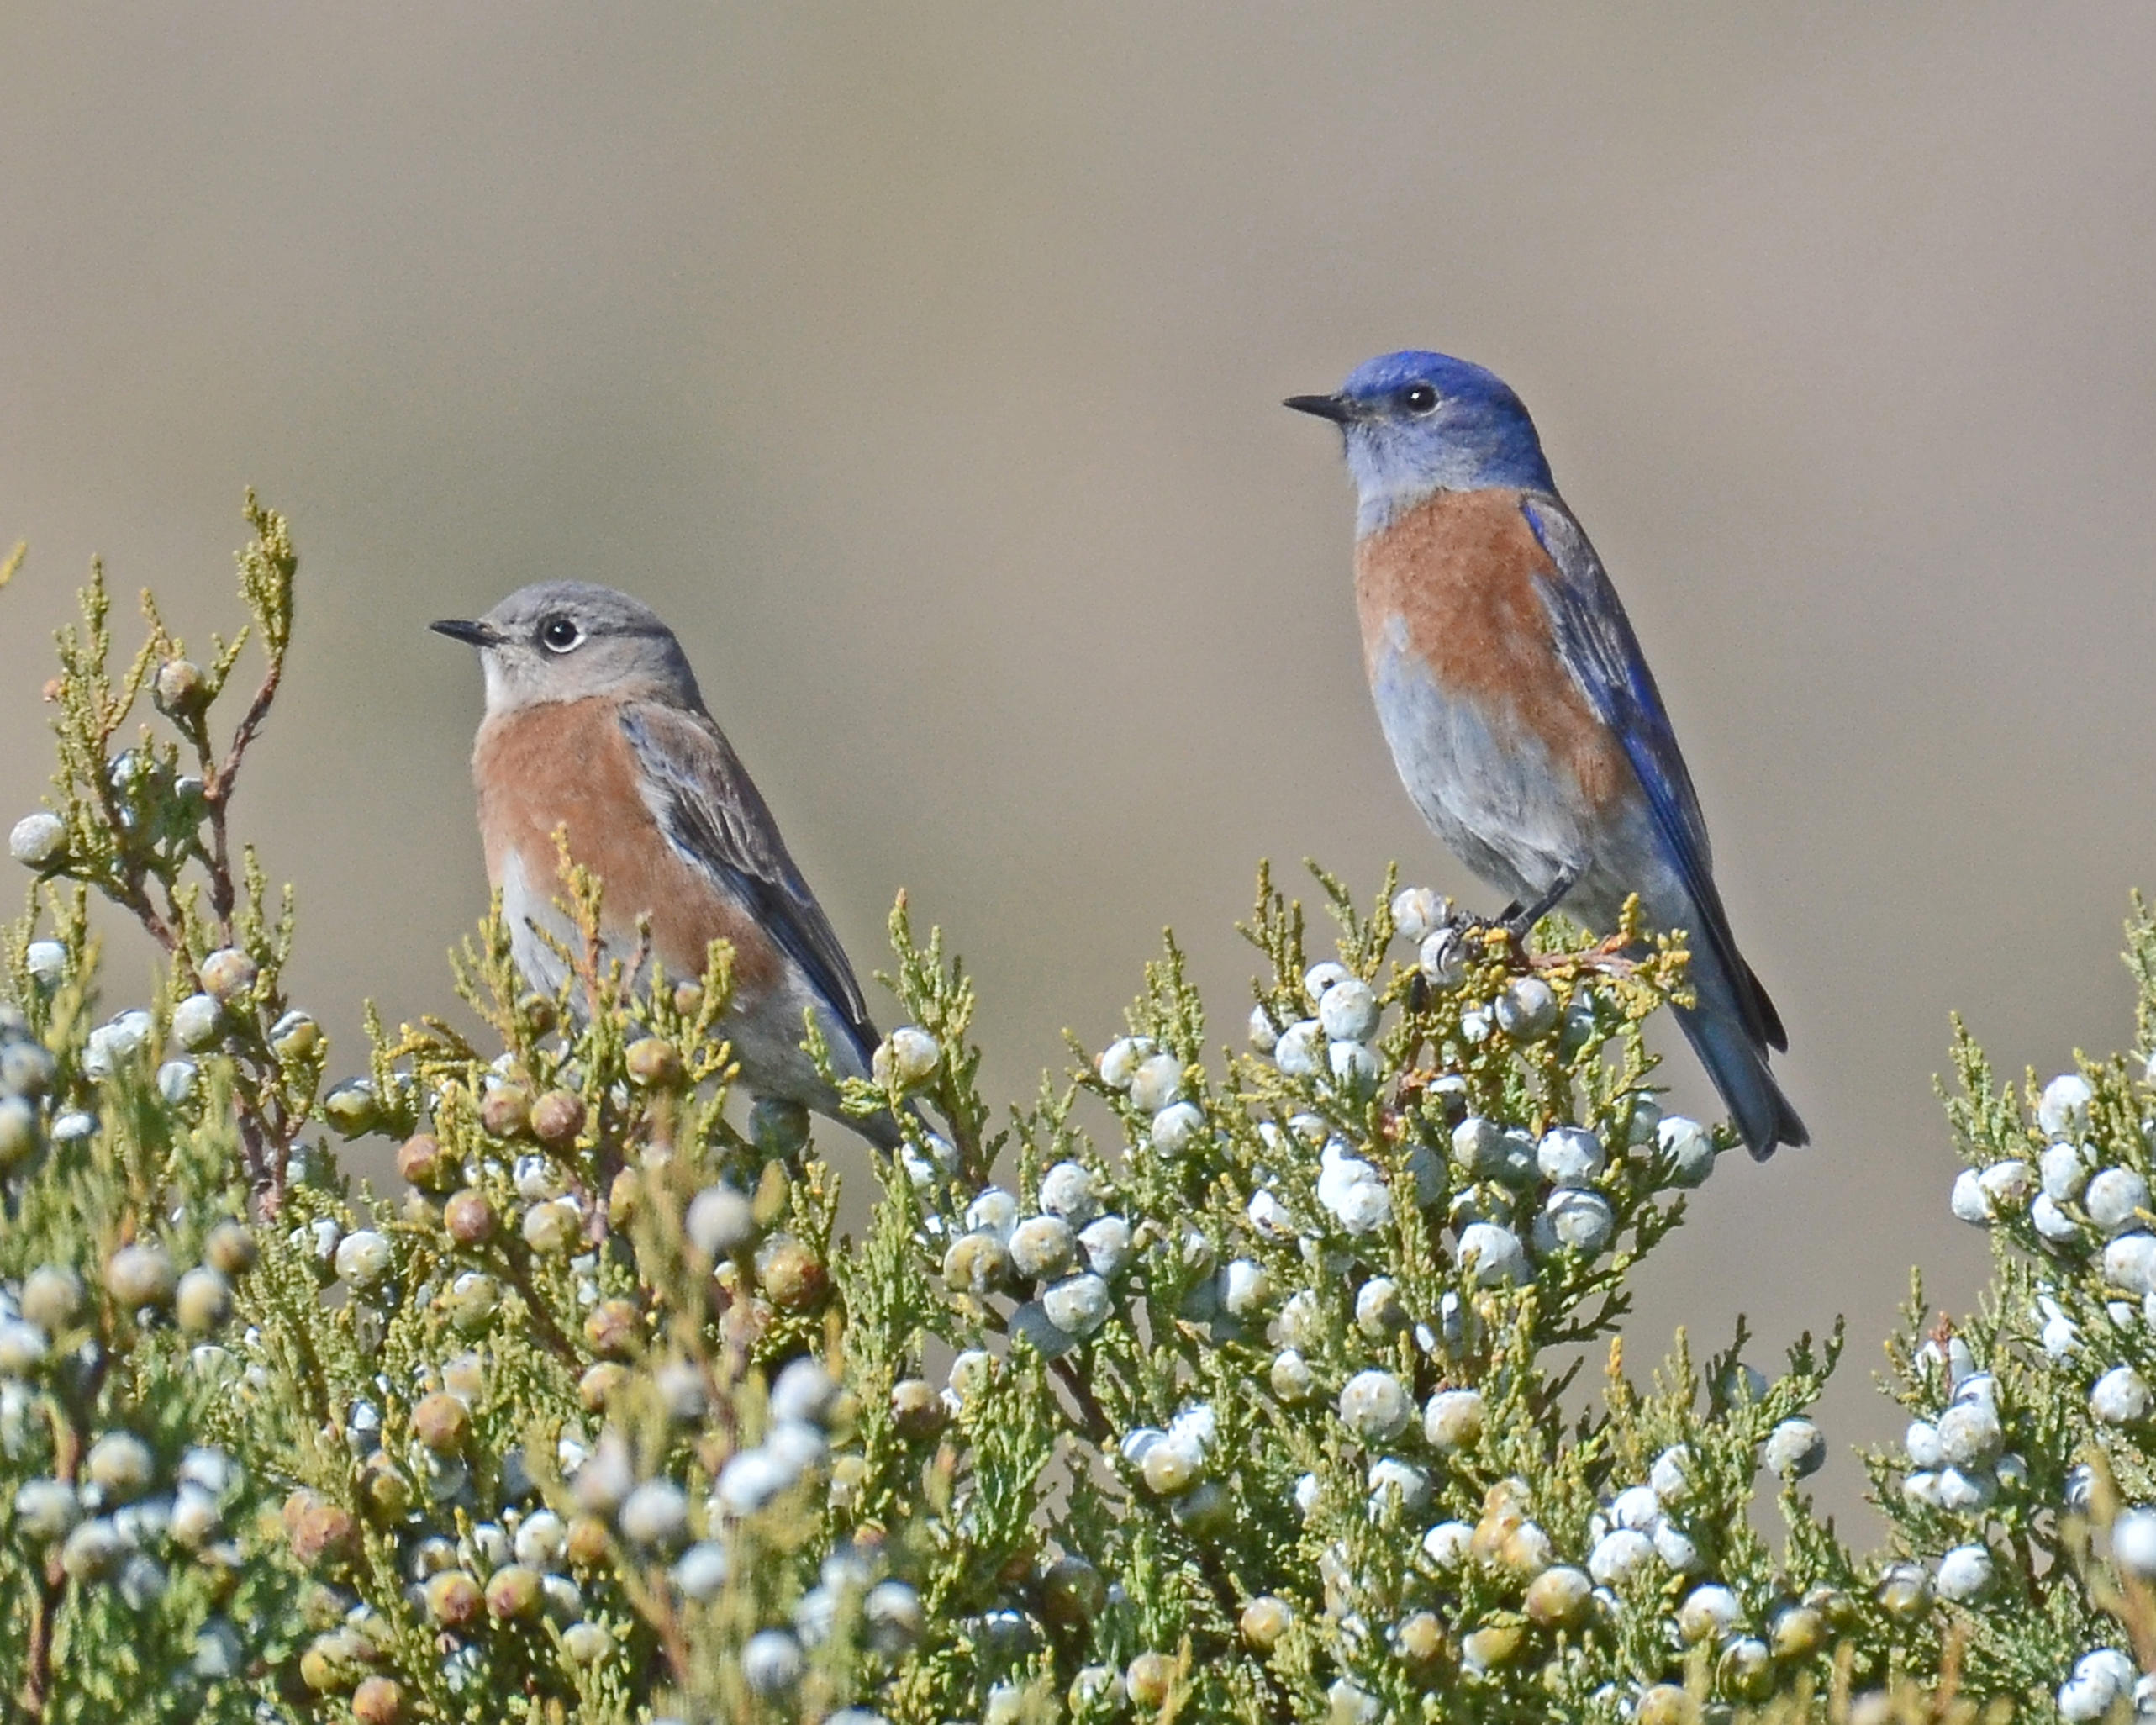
x: 595, y: 724
x: 1520, y: 712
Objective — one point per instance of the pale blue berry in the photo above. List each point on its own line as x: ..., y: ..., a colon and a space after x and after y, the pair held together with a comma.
x: 720, y: 1221
x: 1570, y: 1156
x: 1676, y: 1549
x: 542, y: 1540
x: 1711, y: 1613
x: 2064, y: 1170
x: 1352, y: 1190
x: 1794, y: 1449
x: 2006, y: 1185
x: 1042, y: 1246
x: 1319, y: 979
x: 804, y: 1393
x: 1301, y: 1322
x: 1442, y: 958
x: 1301, y: 1051
x: 218, y: 1652
x: 655, y: 1514
x: 1671, y: 1475
x: 198, y: 1022
x: 1452, y: 1420
x: 700, y: 1572
x: 750, y: 1480
x: 1079, y: 1305
x: 1269, y: 1216
x: 1688, y: 1147
x: 1447, y: 1545
x: 1970, y: 1434
x: 1176, y: 1128
x: 1395, y: 1484
x: 226, y: 974
x: 2130, y: 1262
x: 1380, y: 1311
x: 2063, y: 1110
x: 23, y: 1348
x: 1355, y: 1066
x: 36, y: 839
x: 1574, y: 1220
x: 1068, y: 1190
x: 2053, y: 1224
x: 771, y: 1663
x: 1244, y: 1287
x: 1291, y: 1376
x: 1349, y: 1012
x: 1106, y: 1243
x: 1375, y: 1407
x: 908, y: 1057
x: 2114, y: 1197
x: 2133, y: 1542
x: 2120, y: 1397
x: 2100, y: 1679
x: 893, y: 1617
x: 1619, y: 1555
x: 1526, y: 1009
x: 994, y: 1212
x: 1120, y: 1060
x: 1418, y: 913
x: 1157, y: 1082
x: 1492, y: 1253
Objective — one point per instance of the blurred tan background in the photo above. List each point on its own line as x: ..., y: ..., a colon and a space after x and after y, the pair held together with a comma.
x: 921, y: 364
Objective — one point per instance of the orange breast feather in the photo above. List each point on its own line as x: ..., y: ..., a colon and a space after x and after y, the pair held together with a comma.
x: 568, y: 765
x: 1460, y: 574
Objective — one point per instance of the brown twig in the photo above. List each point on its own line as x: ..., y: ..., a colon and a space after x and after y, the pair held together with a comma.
x: 550, y: 1331
x: 1097, y: 1424
x: 219, y: 781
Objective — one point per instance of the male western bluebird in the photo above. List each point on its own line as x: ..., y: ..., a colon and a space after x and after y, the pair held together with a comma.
x: 1520, y: 712
x: 595, y: 724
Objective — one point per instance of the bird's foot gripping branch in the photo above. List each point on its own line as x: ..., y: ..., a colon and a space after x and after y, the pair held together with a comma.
x: 1208, y: 1385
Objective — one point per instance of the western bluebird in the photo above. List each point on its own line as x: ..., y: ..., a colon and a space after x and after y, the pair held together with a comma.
x: 595, y: 724
x: 1519, y: 710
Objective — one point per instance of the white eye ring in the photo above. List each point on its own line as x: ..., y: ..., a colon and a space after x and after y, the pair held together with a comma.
x: 560, y: 635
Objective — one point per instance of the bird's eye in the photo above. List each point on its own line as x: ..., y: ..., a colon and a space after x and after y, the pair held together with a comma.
x: 560, y: 635
x: 1419, y: 398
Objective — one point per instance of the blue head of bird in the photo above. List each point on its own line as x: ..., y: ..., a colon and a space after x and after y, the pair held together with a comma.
x: 1416, y: 424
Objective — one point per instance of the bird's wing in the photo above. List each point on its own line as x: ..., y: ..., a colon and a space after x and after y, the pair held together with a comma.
x: 712, y: 814
x: 1595, y: 640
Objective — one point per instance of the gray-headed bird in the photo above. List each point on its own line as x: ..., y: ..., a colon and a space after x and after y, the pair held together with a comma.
x: 595, y: 724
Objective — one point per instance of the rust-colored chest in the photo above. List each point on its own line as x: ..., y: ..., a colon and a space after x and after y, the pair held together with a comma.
x: 1455, y: 584
x: 568, y: 765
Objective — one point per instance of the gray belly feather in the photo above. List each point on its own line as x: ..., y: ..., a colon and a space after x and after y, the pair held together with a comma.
x: 1488, y: 787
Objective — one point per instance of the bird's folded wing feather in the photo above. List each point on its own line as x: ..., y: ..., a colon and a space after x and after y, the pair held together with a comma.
x: 713, y: 815
x: 1595, y: 640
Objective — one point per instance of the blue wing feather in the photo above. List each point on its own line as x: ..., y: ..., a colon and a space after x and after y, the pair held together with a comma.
x: 714, y: 816
x: 1595, y: 640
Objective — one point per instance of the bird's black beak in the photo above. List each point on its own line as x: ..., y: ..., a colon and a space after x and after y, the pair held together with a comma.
x: 480, y: 635
x: 1337, y: 409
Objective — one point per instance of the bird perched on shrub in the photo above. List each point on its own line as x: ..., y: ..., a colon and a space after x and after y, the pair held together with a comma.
x: 594, y: 724
x: 1520, y: 709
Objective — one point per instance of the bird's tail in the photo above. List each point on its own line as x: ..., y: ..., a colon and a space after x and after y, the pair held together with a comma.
x: 1735, y: 1059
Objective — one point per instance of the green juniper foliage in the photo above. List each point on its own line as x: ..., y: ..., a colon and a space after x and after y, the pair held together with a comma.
x: 1207, y: 1386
